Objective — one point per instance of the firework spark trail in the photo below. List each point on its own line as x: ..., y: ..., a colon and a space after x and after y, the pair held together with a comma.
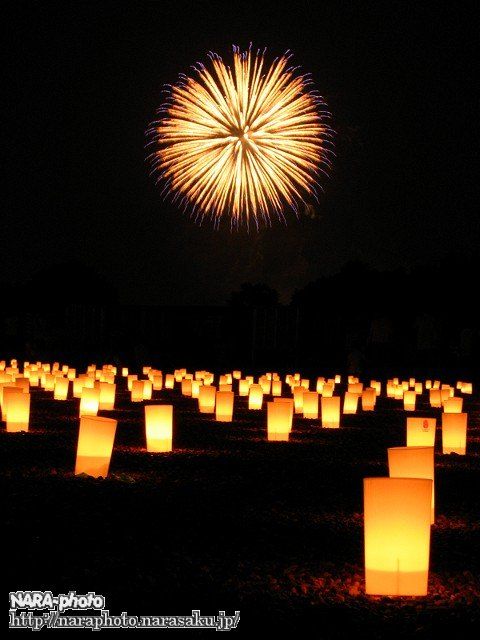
x: 243, y: 142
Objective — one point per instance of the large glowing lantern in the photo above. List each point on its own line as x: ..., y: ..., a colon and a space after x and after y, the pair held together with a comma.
x: 453, y: 405
x: 369, y: 397
x: 413, y: 462
x: 331, y: 412
x: 224, y: 406
x: 350, y: 402
x: 409, y: 400
x: 159, y: 427
x: 310, y: 405
x: 95, y: 444
x: 454, y: 433
x: 17, y: 409
x: 106, y: 399
x: 206, y: 398
x: 255, y: 396
x: 60, y: 390
x: 421, y: 432
x: 89, y: 401
x: 279, y: 420
x: 298, y: 399
x: 397, y: 514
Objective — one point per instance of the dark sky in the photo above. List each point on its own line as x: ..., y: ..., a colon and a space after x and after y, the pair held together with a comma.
x: 86, y: 80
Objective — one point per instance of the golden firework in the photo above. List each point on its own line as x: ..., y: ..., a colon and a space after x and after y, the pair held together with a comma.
x: 243, y: 142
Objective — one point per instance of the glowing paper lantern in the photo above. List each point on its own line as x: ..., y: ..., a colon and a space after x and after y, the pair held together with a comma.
x: 147, y: 390
x: 206, y: 398
x: 169, y: 381
x: 435, y: 398
x: 17, y: 410
x: 106, y: 399
x: 196, y: 384
x: 130, y: 379
x: 369, y: 397
x: 159, y: 427
x: 60, y: 390
x: 49, y: 384
x: 328, y: 389
x: 413, y: 462
x: 310, y: 405
x: 243, y: 387
x: 355, y: 387
x: 421, y: 432
x: 298, y: 399
x: 454, y: 433
x: 136, y: 391
x: 331, y: 412
x: 279, y: 420
x: 277, y: 388
x: 255, y: 396
x: 8, y: 391
x: 157, y: 381
x: 453, y: 405
x: 418, y: 388
x: 397, y: 515
x: 224, y: 406
x: 409, y: 400
x: 95, y: 444
x: 89, y: 402
x: 350, y: 402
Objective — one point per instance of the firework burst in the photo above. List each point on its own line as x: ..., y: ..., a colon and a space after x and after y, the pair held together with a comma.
x: 242, y: 143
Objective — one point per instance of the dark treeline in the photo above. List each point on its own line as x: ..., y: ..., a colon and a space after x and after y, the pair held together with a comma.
x: 360, y: 319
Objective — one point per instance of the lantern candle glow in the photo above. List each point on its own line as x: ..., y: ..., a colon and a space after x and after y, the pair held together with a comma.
x: 95, y: 445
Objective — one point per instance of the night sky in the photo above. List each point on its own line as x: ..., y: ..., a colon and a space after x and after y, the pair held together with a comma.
x: 84, y: 83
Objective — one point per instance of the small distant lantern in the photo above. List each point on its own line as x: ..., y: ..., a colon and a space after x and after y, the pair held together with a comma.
x: 413, y: 462
x: 428, y: 385
x: 409, y: 400
x: 276, y: 388
x: 60, y: 390
x: 224, y: 406
x: 169, y: 381
x: 331, y: 412
x: 310, y: 405
x: 159, y: 427
x: 279, y: 420
x: 369, y: 398
x: 421, y: 432
x: 454, y: 433
x: 95, y: 445
x: 89, y: 402
x: 206, y: 398
x: 255, y: 396
x: 157, y: 381
x: 236, y: 375
x: 243, y: 387
x: 397, y: 514
x: 418, y: 388
x: 350, y: 402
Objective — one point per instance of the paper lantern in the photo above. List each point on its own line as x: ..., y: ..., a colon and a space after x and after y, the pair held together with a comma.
x: 435, y: 398
x: 418, y: 388
x: 328, y: 389
x: 60, y: 390
x: 298, y: 399
x: 305, y: 383
x: 124, y: 372
x: 375, y: 384
x: 453, y: 405
x: 147, y: 390
x: 186, y: 387
x: 350, y: 402
x: 224, y: 406
x: 399, y: 391
x: 409, y: 400
x: 136, y: 394
x: 130, y: 379
x: 71, y: 374
x: 445, y: 394
x: 397, y: 513
x: 89, y: 401
x: 355, y: 387
x: 428, y: 385
x: 169, y: 381
x: 421, y: 432
x: 454, y: 433
x: 206, y: 399
x: 310, y: 405
x: 23, y: 384
x: 243, y: 387
x: 279, y: 420
x: 17, y: 409
x: 106, y: 398
x: 276, y: 388
x: 369, y: 397
x: 413, y: 462
x: 49, y: 384
x: 196, y: 384
x: 255, y: 396
x: 159, y: 427
x: 236, y: 375
x: 467, y: 388
x: 331, y: 412
x: 95, y: 444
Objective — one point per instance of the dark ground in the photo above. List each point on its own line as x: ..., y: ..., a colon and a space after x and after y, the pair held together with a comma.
x: 230, y: 521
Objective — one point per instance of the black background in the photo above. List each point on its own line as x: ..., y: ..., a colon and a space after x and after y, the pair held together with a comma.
x: 84, y: 81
